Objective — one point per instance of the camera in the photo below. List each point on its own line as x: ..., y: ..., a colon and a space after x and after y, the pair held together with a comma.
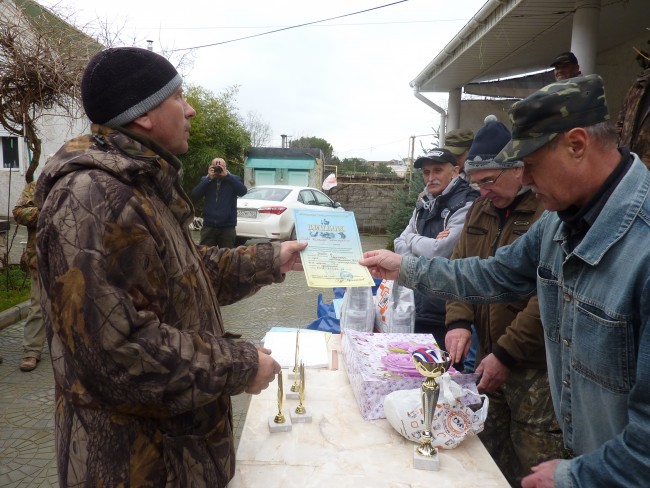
x: 218, y: 169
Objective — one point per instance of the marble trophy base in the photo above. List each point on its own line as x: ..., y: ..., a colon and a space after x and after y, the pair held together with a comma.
x: 292, y: 395
x: 283, y: 427
x: 427, y: 463
x: 300, y: 418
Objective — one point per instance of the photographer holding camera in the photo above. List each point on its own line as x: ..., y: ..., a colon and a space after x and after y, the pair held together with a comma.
x: 220, y: 189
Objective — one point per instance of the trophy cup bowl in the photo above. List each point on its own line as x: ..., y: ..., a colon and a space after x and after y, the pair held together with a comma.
x: 430, y: 363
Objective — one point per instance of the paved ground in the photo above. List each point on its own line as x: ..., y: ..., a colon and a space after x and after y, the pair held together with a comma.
x: 26, y: 399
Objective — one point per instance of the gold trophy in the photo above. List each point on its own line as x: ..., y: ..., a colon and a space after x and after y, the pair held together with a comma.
x: 279, y: 423
x: 430, y: 363
x: 293, y: 394
x: 301, y: 415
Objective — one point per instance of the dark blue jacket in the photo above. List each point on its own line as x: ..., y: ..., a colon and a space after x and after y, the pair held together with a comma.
x: 220, y: 206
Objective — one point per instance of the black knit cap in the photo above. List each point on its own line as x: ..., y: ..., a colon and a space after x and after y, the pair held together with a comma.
x: 120, y: 84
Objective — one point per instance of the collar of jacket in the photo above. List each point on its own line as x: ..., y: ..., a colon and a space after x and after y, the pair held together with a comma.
x: 140, y: 147
x: 528, y: 205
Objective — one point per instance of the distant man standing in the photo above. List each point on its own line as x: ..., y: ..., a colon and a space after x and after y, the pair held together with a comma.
x: 434, y: 229
x: 566, y: 66
x: 26, y: 213
x: 521, y: 430
x: 220, y: 189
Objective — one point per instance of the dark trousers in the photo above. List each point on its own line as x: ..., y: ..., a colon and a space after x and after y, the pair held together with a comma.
x: 218, y: 236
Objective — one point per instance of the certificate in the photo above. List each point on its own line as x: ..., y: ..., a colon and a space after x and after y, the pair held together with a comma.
x: 332, y: 257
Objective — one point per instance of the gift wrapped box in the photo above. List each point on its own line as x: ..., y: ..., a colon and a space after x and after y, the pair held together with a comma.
x: 378, y: 364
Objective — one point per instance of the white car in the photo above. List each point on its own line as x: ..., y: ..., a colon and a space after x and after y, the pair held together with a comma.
x: 266, y: 211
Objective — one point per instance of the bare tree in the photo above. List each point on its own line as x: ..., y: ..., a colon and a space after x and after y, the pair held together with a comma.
x: 259, y: 130
x: 42, y: 59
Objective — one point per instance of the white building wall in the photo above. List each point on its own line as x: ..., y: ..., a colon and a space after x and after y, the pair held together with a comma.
x: 54, y: 130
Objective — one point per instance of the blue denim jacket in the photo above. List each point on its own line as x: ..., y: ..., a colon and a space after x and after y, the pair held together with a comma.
x: 595, y: 308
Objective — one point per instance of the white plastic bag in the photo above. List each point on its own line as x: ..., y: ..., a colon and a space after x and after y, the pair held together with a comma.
x: 453, y: 419
x: 357, y: 310
x: 395, y: 308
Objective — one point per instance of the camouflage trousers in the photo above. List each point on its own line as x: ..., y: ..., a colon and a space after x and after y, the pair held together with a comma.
x: 521, y: 430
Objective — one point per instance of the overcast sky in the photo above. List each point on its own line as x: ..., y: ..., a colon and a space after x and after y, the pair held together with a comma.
x: 345, y: 80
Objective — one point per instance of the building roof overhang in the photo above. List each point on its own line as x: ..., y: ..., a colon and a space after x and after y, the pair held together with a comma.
x: 507, y: 38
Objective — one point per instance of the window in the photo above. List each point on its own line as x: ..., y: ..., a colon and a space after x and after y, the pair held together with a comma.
x: 9, y: 155
x: 323, y: 200
x: 307, y: 197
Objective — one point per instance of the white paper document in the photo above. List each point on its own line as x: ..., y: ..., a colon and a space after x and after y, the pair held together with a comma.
x: 312, y: 347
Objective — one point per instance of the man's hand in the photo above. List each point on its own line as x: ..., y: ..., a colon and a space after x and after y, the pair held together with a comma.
x: 494, y: 374
x: 266, y: 370
x: 290, y: 256
x: 457, y: 342
x: 442, y: 234
x: 542, y: 476
x: 382, y: 264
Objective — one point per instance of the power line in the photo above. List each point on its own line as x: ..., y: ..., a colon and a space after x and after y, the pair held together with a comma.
x: 348, y: 24
x: 288, y: 28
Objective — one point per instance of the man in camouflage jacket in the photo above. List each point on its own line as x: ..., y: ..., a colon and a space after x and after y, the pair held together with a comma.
x: 633, y: 123
x: 26, y: 213
x: 143, y: 368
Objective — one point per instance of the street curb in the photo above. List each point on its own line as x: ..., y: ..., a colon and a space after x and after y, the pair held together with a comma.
x: 14, y: 314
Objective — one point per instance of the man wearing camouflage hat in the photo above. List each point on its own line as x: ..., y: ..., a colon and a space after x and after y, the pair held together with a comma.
x: 588, y: 260
x: 458, y: 142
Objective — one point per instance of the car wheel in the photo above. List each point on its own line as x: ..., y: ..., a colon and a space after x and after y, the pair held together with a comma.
x: 240, y: 241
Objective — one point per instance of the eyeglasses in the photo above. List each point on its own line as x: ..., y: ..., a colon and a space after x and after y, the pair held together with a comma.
x: 485, y: 184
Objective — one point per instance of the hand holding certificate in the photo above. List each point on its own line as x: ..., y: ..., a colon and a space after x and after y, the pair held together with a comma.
x: 332, y: 257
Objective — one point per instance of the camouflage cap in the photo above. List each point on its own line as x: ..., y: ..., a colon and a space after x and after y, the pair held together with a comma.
x: 458, y: 141
x: 556, y: 108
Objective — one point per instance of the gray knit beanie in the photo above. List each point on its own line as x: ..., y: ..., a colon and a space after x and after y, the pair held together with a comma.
x: 120, y: 84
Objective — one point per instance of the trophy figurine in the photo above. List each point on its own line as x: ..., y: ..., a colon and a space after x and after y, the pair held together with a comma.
x: 293, y: 394
x: 430, y: 363
x: 279, y: 423
x: 301, y: 414
x: 293, y: 375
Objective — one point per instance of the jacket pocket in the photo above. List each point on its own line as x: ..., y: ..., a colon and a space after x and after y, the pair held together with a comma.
x: 601, y: 348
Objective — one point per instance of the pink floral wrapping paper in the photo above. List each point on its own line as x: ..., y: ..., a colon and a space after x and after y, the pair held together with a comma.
x: 378, y: 364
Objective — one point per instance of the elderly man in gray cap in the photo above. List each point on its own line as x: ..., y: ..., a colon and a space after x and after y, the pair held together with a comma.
x: 588, y: 260
x: 434, y: 228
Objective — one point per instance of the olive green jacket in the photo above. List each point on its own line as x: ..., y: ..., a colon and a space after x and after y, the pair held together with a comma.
x: 512, y: 331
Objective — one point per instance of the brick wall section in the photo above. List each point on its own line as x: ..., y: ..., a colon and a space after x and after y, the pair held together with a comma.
x: 369, y: 198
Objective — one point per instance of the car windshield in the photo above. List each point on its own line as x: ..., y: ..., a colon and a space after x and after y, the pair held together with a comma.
x: 266, y: 193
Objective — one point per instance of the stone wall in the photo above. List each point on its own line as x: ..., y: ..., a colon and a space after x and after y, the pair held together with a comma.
x: 369, y: 198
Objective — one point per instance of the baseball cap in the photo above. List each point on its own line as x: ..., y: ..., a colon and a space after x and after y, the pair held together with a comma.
x: 565, y: 58
x: 556, y: 108
x: 437, y: 155
x: 457, y: 141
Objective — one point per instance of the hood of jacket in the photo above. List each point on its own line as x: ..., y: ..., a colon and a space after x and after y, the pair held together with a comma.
x: 125, y: 155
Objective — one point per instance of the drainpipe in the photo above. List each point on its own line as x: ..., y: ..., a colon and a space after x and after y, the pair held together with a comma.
x: 437, y: 108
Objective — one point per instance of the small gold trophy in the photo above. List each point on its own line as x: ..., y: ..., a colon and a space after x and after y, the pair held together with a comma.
x: 279, y: 423
x: 301, y: 415
x: 296, y: 368
x: 430, y: 363
x: 293, y: 394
